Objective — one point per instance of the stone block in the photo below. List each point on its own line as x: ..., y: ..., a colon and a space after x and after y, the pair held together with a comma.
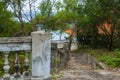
x: 41, y: 51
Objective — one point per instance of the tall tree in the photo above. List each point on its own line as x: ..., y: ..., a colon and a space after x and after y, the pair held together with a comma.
x: 6, y: 22
x: 46, y: 8
x: 111, y: 11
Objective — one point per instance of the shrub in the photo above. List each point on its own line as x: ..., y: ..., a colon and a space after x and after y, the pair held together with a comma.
x: 111, y: 59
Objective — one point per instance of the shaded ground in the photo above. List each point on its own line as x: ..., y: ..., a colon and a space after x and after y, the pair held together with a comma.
x: 79, y: 69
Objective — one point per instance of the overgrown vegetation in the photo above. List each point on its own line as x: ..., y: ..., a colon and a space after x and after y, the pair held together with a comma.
x: 95, y: 23
x: 56, y: 76
x: 111, y: 59
x: 86, y: 18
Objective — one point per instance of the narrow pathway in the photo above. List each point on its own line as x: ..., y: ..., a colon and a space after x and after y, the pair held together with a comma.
x: 79, y: 69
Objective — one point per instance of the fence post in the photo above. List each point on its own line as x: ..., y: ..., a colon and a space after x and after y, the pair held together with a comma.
x: 40, y: 58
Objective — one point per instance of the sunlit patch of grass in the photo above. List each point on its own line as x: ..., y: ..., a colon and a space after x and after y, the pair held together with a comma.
x: 55, y: 76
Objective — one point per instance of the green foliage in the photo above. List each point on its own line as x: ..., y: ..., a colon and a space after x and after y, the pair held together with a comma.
x: 45, y: 7
x: 55, y: 76
x: 85, y: 40
x: 5, y: 19
x: 55, y: 62
x: 8, y: 25
x: 1, y: 64
x: 96, y: 13
x: 112, y: 59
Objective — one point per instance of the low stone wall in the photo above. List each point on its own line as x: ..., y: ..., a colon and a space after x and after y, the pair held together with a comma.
x: 15, y: 43
x: 59, y: 56
x: 59, y: 51
x: 39, y: 44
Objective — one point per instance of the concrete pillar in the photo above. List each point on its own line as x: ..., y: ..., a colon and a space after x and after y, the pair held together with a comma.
x: 40, y: 58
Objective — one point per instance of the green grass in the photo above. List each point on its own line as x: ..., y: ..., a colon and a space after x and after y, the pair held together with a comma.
x: 112, y: 59
x: 55, y: 76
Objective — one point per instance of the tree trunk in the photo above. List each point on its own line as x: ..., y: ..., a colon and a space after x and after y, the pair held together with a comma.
x: 70, y: 41
x: 20, y: 17
x: 111, y: 40
x: 111, y: 36
x: 111, y: 43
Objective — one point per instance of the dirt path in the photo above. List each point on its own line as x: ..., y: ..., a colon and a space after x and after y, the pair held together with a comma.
x: 79, y: 69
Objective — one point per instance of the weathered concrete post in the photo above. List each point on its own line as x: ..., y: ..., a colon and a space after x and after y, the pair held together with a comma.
x: 40, y: 58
